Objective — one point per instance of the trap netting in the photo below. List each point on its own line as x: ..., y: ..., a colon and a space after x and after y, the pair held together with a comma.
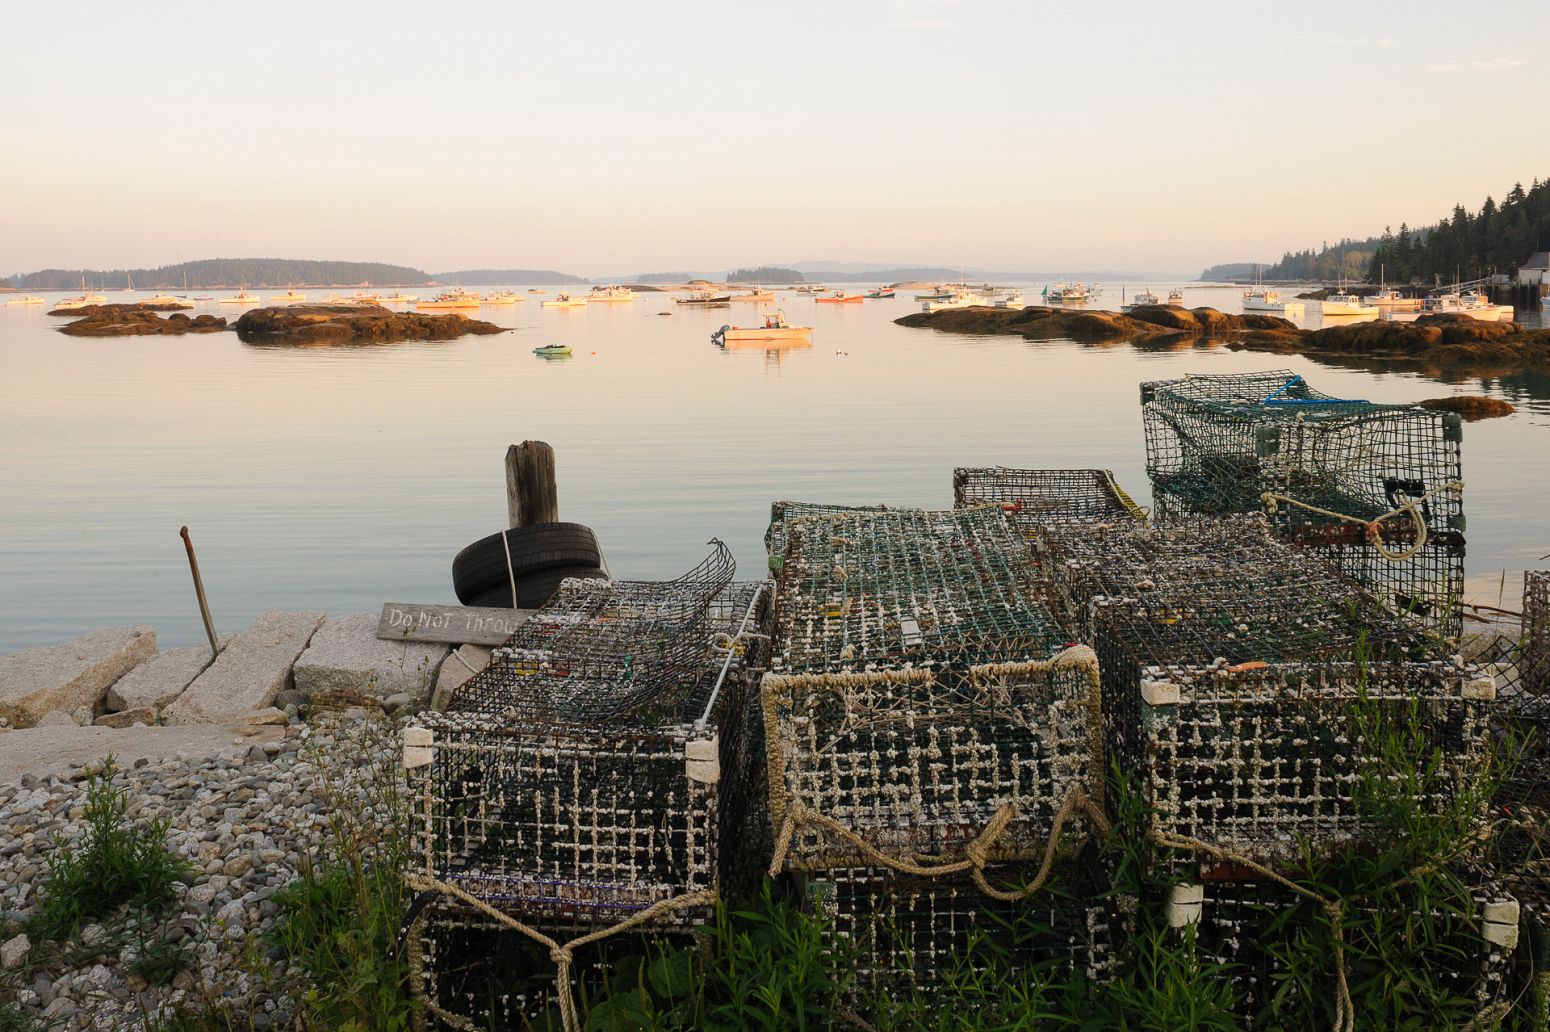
x: 1376, y: 487
x: 1464, y: 947
x: 898, y: 931
x: 591, y: 814
x: 1257, y: 723
x: 783, y: 513
x: 1036, y: 498
x: 920, y: 704
x: 1534, y: 654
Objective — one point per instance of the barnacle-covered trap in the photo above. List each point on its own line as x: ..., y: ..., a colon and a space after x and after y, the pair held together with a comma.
x: 924, y: 718
x: 1461, y: 944
x: 1249, y: 687
x: 1037, y: 498
x: 1375, y: 487
x: 576, y: 782
x: 783, y: 513
x: 1534, y: 653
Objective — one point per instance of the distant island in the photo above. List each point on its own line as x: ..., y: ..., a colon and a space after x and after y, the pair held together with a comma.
x: 1232, y: 271
x: 771, y: 274
x: 505, y: 277
x: 210, y: 273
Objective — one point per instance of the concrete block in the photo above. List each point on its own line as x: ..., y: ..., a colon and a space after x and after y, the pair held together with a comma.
x: 249, y: 671
x: 462, y: 664
x: 160, y: 679
x: 347, y: 656
x: 72, y: 675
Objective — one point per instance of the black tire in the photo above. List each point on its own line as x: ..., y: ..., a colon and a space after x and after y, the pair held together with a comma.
x: 482, y: 565
x: 534, y: 588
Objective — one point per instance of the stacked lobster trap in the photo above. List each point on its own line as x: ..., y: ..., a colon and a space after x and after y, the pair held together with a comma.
x: 1249, y: 686
x: 1037, y: 498
x: 575, y: 784
x: 1376, y: 488
x: 929, y: 739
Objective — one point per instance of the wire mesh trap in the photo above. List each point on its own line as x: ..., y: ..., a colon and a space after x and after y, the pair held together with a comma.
x: 1375, y: 487
x: 1232, y: 665
x: 1036, y: 498
x: 920, y: 704
x: 1276, y: 741
x: 901, y: 932
x: 1534, y: 655
x: 1250, y: 927
x: 578, y: 779
x: 784, y: 513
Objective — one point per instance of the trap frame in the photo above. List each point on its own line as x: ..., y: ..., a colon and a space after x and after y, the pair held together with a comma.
x: 1375, y: 487
x: 1036, y: 498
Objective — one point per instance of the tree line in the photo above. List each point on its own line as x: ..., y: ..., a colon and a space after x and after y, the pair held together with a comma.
x: 1467, y: 245
x: 226, y: 272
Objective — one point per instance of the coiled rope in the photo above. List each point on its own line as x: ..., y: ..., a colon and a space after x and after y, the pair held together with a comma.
x: 1374, y: 528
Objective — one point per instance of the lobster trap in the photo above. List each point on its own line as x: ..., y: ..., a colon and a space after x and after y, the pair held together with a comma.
x: 899, y: 932
x: 921, y: 709
x: 577, y: 779
x: 1037, y: 498
x: 1466, y: 948
x: 784, y: 513
x: 1377, y: 488
x: 1534, y: 653
x: 1257, y: 721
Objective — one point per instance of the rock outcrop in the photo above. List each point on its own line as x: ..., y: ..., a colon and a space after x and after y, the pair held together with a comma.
x: 133, y: 321
x: 352, y: 324
x: 157, y: 682
x: 1445, y: 340
x: 1471, y: 408
x: 70, y: 676
x: 1040, y: 322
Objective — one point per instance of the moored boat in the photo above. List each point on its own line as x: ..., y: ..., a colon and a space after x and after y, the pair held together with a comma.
x: 504, y: 297
x: 1471, y: 304
x: 241, y: 297
x: 564, y: 301
x: 457, y: 297
x: 1343, y: 304
x: 398, y: 297
x: 1176, y: 297
x: 553, y: 351
x: 958, y: 299
x: 610, y: 295
x: 1064, y: 293
x: 775, y: 331
x: 1261, y: 300
x: 290, y: 297
x: 703, y: 297
x: 839, y: 299
x: 1142, y: 298
x: 25, y: 299
x: 1014, y: 299
x: 85, y: 298
x: 757, y: 294
x: 880, y: 292
x: 167, y: 299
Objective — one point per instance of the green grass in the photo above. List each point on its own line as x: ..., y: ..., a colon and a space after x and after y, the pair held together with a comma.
x: 120, y: 867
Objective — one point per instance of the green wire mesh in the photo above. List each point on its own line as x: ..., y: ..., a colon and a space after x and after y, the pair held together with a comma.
x: 1216, y: 444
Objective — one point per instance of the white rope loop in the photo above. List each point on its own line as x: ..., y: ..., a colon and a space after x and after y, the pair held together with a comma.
x: 1409, y: 507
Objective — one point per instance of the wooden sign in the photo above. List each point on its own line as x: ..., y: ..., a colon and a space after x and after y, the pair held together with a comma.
x: 449, y: 625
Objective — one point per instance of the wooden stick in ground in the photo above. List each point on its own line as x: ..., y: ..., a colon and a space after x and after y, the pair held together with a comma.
x: 531, y: 494
x: 199, y: 591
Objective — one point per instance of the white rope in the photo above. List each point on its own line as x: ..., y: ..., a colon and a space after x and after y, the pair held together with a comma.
x: 1410, y: 507
x: 511, y: 577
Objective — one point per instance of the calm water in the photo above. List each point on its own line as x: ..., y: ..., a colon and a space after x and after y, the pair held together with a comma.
x: 340, y: 478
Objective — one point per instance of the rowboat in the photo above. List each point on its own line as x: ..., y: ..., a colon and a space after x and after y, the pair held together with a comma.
x: 553, y: 351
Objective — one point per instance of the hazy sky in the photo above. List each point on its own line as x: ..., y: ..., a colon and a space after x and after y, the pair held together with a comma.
x: 607, y: 137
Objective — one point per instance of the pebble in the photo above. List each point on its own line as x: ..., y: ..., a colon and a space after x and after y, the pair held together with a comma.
x: 247, y: 822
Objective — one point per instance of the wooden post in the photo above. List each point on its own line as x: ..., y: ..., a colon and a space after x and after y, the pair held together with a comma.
x: 531, y: 495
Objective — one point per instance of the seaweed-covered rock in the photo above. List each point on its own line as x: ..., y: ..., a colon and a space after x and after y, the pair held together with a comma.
x: 304, y: 324
x: 1040, y: 322
x: 1471, y: 408
x: 135, y: 321
x: 134, y: 306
